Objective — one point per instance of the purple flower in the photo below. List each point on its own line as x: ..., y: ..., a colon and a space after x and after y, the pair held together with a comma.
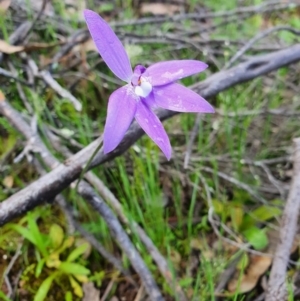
x: 145, y: 88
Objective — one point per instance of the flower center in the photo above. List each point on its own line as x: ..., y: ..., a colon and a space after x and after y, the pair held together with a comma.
x: 143, y: 89
x: 141, y: 86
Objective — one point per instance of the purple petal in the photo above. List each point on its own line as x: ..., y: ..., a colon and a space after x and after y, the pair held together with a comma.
x: 108, y: 45
x: 163, y: 73
x: 176, y: 97
x: 153, y: 128
x: 120, y: 112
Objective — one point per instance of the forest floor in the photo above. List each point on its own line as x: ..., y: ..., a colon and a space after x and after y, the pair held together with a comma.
x: 206, y: 223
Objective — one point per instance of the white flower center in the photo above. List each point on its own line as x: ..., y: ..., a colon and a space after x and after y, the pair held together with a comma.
x: 143, y: 89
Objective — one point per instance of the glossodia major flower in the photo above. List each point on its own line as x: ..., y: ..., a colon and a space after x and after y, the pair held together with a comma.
x: 145, y: 89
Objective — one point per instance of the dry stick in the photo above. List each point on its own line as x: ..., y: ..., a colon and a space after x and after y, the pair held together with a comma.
x: 227, y: 274
x: 78, y: 37
x: 268, y: 6
x: 258, y: 37
x: 236, y: 182
x: 277, y: 290
x: 276, y: 183
x: 8, y: 269
x: 87, y: 192
x: 108, y: 288
x: 60, y: 200
x: 151, y: 248
x: 214, y: 223
x: 51, y: 82
x: 193, y: 135
x: 18, y: 35
x: 37, y: 18
x: 10, y: 75
x: 20, y: 90
x: 244, y: 113
x: 120, y: 236
x: 48, y: 186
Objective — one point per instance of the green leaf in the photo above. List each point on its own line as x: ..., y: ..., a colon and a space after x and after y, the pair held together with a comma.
x: 68, y: 296
x: 38, y: 236
x: 81, y: 278
x: 265, y: 213
x: 76, y: 287
x: 243, y: 262
x: 67, y: 243
x: 256, y: 237
x: 43, y: 290
x: 218, y: 206
x: 56, y: 235
x: 3, y: 297
x: 53, y: 260
x: 39, y: 267
x: 78, y: 252
x: 237, y: 214
x: 25, y: 233
x: 106, y: 7
x: 248, y: 222
x: 73, y: 268
x: 97, y: 277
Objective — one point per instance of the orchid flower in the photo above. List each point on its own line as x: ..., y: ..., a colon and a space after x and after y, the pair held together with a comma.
x: 145, y: 89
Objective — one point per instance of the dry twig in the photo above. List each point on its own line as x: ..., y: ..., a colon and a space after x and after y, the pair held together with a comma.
x: 277, y: 290
x: 258, y: 37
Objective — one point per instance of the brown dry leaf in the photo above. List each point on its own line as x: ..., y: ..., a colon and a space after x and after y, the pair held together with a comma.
x: 258, y: 266
x: 38, y: 46
x: 44, y: 61
x: 8, y: 181
x: 87, y: 46
x: 2, y: 97
x: 159, y: 9
x: 90, y: 292
x: 4, y: 5
x: 8, y: 49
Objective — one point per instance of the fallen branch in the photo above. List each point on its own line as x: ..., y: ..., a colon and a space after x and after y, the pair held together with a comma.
x: 277, y: 290
x: 48, y: 186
